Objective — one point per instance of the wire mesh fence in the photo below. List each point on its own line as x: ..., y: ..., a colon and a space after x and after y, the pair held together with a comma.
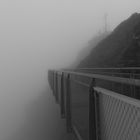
x: 98, y: 106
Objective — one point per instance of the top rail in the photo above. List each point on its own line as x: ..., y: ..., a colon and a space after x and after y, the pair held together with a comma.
x: 132, y: 81
x: 123, y: 68
x: 127, y: 72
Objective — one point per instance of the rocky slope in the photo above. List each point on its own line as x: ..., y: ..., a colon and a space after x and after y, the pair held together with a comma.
x: 120, y: 49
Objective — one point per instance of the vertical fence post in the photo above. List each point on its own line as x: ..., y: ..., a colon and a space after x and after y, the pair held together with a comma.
x: 62, y: 97
x: 56, y: 87
x: 97, y: 118
x: 53, y: 83
x: 68, y: 106
x: 93, y: 113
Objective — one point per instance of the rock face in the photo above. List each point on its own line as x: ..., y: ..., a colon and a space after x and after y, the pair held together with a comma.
x: 119, y: 49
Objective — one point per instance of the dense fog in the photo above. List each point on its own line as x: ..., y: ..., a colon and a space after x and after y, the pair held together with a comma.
x: 36, y: 35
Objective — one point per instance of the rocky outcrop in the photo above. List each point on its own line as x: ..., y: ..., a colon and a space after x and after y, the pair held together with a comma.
x: 120, y: 49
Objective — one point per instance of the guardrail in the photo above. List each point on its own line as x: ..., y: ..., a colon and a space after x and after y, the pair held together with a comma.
x: 128, y: 72
x: 97, y: 106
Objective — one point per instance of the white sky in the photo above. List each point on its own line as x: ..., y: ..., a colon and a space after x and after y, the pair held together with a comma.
x: 39, y: 34
x: 52, y: 31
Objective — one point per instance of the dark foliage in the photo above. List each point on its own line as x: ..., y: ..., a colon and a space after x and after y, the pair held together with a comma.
x: 120, y: 49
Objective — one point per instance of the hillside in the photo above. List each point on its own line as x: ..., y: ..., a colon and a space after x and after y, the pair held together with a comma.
x: 91, y: 44
x: 119, y: 49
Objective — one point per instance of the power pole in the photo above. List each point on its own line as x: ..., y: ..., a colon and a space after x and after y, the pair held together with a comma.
x: 105, y: 22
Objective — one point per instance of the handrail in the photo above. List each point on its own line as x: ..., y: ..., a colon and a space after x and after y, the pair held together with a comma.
x: 123, y: 68
x: 113, y: 68
x: 132, y: 81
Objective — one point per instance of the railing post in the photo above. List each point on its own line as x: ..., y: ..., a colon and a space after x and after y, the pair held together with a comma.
x: 62, y: 104
x: 93, y: 113
x: 68, y: 105
x: 97, y: 118
x: 54, y: 83
x: 56, y: 88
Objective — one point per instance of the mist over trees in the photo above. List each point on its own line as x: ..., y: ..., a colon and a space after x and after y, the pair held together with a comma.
x: 118, y: 49
x: 85, y: 52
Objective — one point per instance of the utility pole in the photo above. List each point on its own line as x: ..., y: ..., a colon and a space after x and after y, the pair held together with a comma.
x: 105, y: 22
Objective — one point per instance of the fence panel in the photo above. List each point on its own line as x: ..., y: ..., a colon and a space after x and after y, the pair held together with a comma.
x: 109, y: 112
x: 79, y: 90
x: 119, y: 116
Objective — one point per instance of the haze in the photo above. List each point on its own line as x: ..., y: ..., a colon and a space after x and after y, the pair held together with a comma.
x: 36, y: 35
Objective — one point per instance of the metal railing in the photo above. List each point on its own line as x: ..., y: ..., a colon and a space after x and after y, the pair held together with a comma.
x: 128, y: 72
x: 98, y: 106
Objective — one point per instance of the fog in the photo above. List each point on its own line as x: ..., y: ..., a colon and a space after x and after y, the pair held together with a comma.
x: 36, y: 35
